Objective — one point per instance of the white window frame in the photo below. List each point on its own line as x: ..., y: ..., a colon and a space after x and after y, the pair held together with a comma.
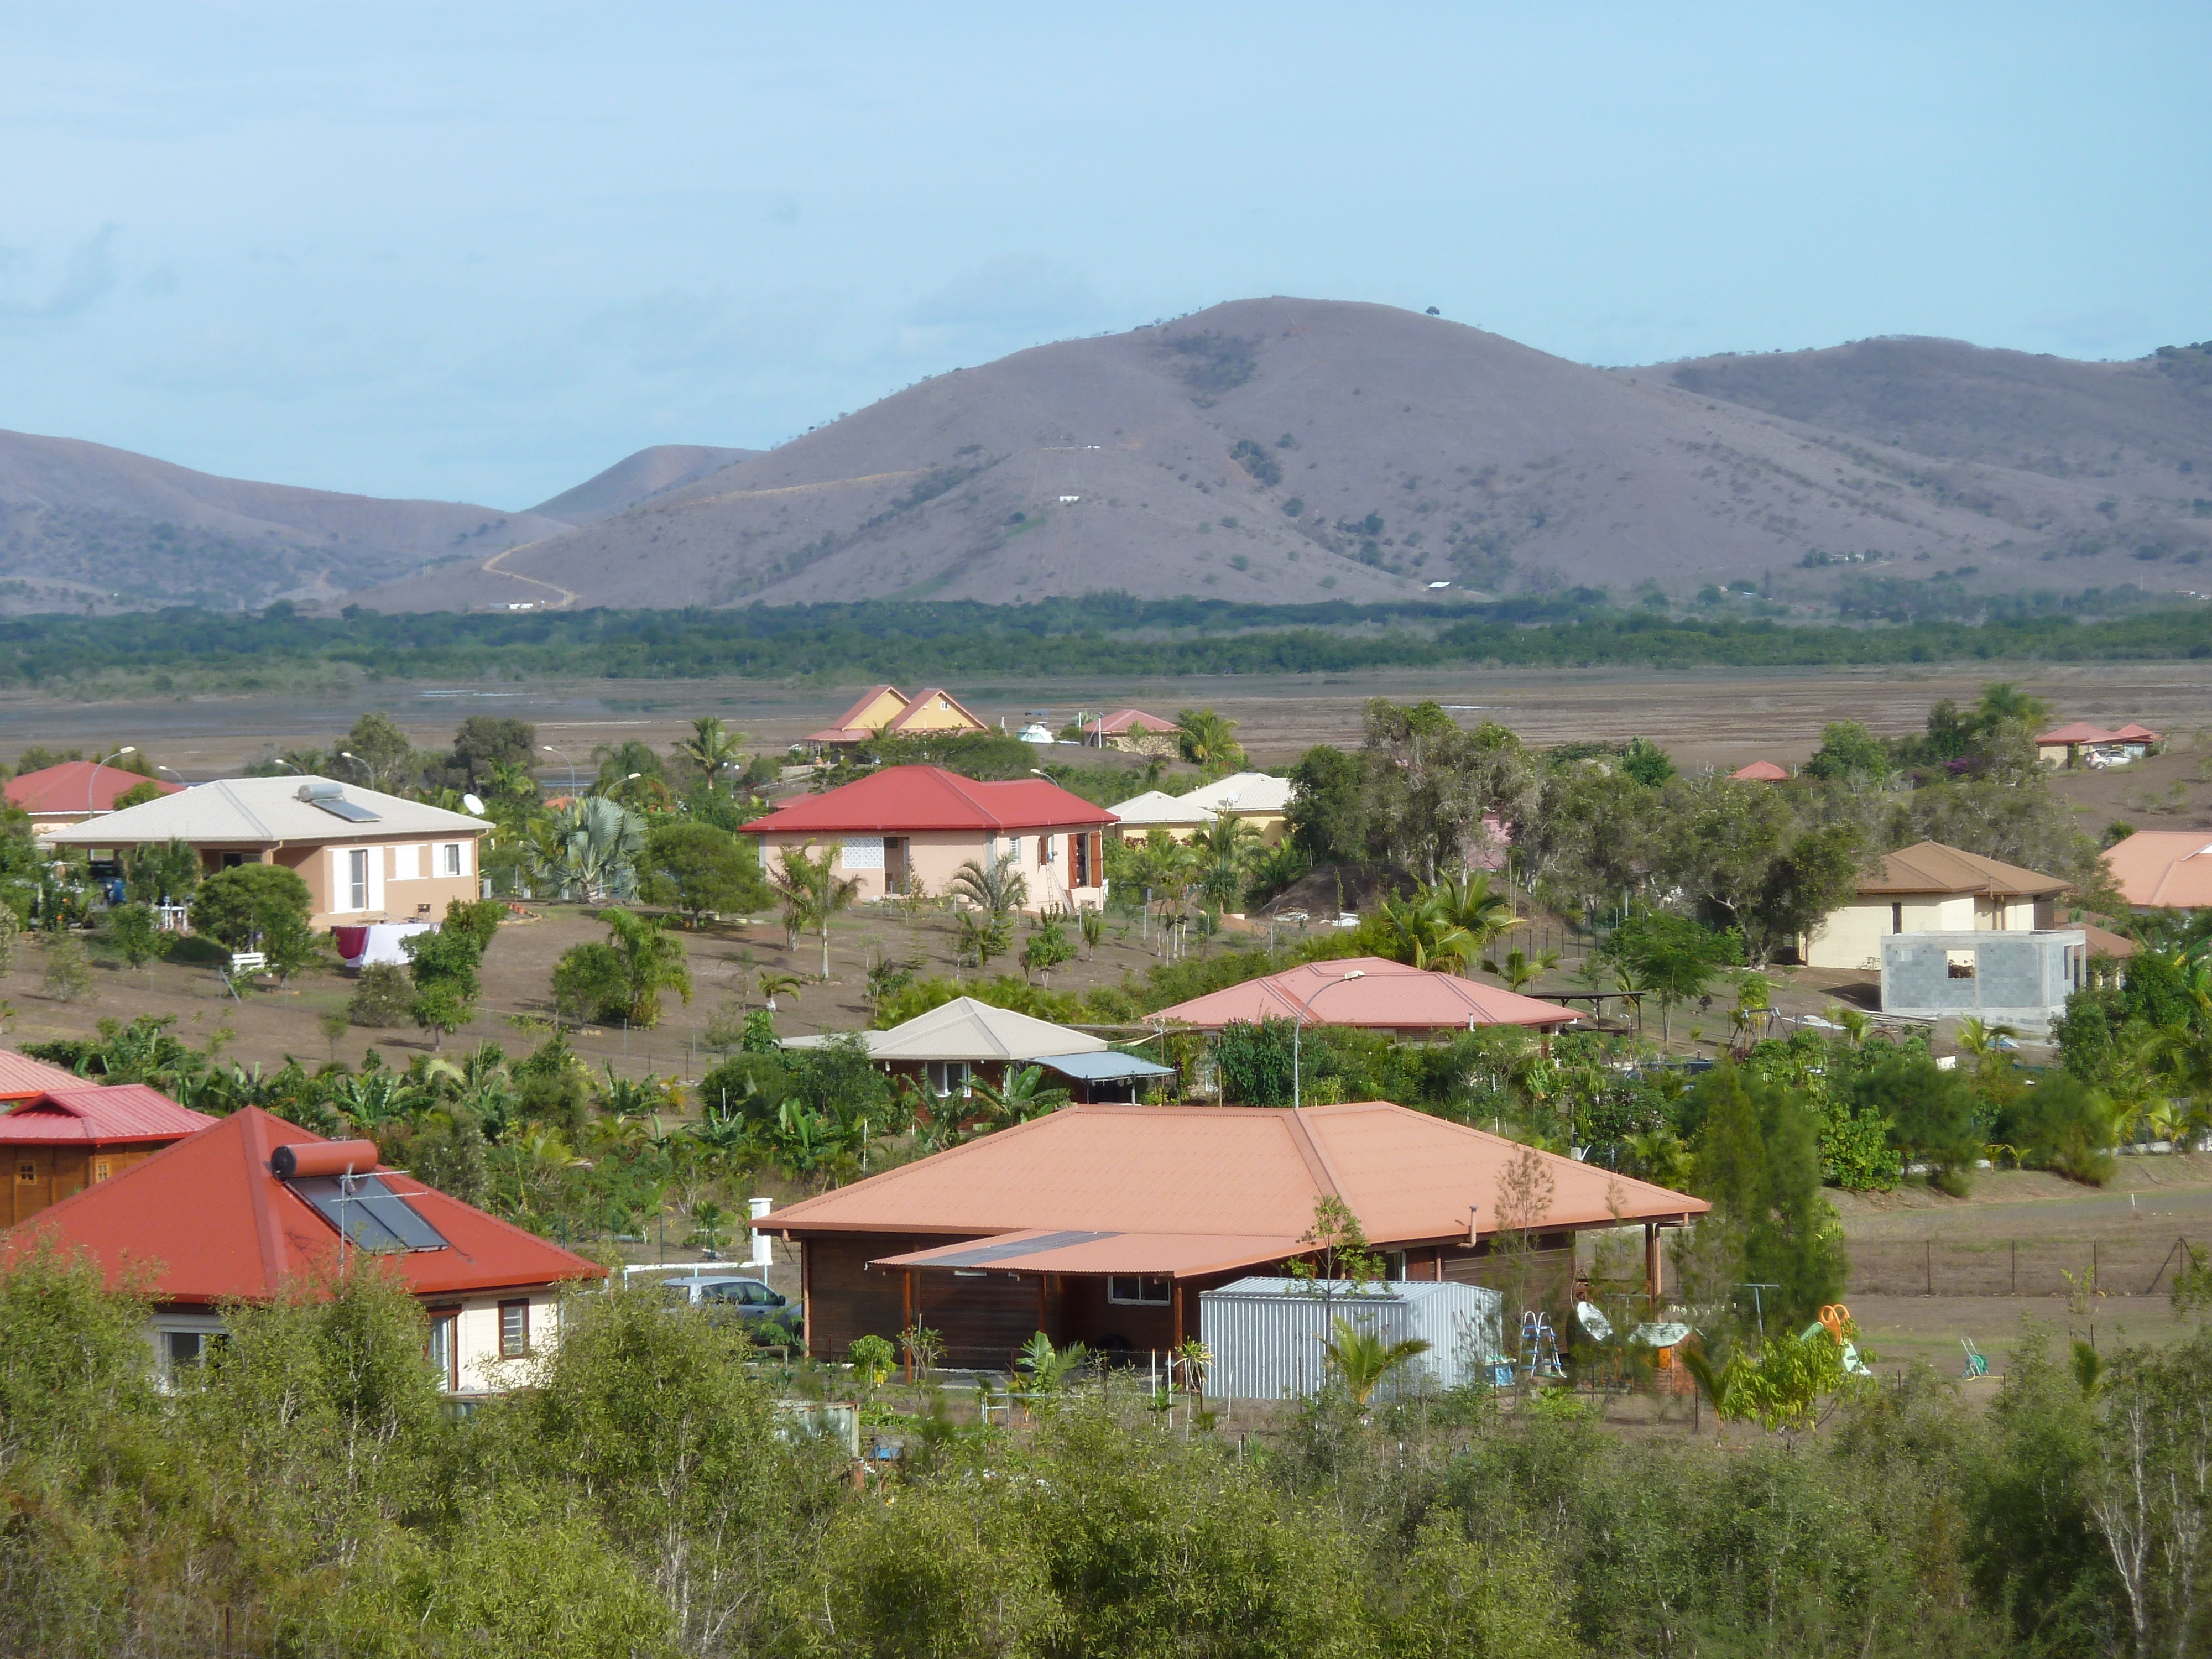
x: 453, y: 860
x: 407, y: 861
x: 1116, y: 1284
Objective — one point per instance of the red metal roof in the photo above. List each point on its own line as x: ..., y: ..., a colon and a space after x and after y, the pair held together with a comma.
x: 1245, y: 1178
x: 2135, y: 733
x: 87, y: 1113
x: 903, y: 799
x: 2078, y: 731
x: 206, y: 1220
x: 22, y: 1077
x: 1761, y: 772
x: 1388, y: 996
x: 71, y: 787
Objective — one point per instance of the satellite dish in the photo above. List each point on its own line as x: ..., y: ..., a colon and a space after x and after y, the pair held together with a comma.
x: 475, y: 806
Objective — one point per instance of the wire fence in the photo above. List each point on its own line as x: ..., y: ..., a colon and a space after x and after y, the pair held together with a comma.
x: 2018, y: 1266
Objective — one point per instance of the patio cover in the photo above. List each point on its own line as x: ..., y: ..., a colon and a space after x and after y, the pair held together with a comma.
x: 1104, y: 1066
x: 1183, y: 1255
x: 964, y: 1029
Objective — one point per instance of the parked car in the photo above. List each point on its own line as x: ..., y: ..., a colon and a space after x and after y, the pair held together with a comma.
x: 727, y: 1295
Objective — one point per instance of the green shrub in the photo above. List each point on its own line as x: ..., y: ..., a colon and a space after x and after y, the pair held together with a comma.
x: 382, y: 996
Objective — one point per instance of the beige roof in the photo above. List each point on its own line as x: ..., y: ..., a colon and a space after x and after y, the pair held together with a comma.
x: 265, y: 811
x: 2166, y: 868
x: 1381, y: 995
x: 1244, y: 793
x: 964, y: 1029
x: 1931, y: 867
x: 1246, y: 1177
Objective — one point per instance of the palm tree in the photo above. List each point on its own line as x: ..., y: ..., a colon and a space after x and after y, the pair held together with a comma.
x: 1421, y: 935
x: 774, y: 983
x: 1207, y: 740
x: 812, y: 893
x: 1364, y: 1360
x: 1520, y: 971
x: 712, y: 748
x: 590, y: 850
x: 1019, y: 1097
x: 1226, y: 849
x: 996, y: 888
x: 652, y: 962
x: 1982, y: 1042
x: 1468, y: 902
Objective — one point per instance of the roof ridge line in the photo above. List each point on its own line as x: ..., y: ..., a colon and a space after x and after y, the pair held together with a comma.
x: 251, y: 816
x: 1309, y: 1149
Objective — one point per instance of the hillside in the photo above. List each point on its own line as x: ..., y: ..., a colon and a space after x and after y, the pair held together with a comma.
x: 635, y: 478
x: 84, y: 525
x: 2145, y: 426
x: 1290, y: 450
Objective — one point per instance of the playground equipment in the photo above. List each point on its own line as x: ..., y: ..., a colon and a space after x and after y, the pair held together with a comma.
x: 1832, y: 1319
x: 1977, y: 1366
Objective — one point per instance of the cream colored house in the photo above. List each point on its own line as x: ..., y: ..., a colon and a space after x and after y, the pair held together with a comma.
x: 886, y: 709
x: 1262, y: 801
x: 366, y: 856
x: 1928, y: 887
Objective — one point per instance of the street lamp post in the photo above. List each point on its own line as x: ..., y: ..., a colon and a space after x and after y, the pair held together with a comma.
x: 1297, y: 1025
x: 348, y: 754
x: 92, y: 783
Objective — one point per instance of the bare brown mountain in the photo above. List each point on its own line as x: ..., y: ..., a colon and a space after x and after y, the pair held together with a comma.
x: 1287, y: 450
x: 2145, y: 424
x: 84, y: 525
x: 636, y: 478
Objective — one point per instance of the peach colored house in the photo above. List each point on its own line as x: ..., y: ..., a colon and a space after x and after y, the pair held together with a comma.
x: 910, y: 825
x: 74, y: 791
x: 885, y: 709
x: 366, y: 856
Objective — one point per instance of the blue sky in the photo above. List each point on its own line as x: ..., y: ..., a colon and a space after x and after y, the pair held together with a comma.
x: 479, y: 251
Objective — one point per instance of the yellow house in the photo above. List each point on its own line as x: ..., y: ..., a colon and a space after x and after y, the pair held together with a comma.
x: 885, y: 709
x: 1927, y: 889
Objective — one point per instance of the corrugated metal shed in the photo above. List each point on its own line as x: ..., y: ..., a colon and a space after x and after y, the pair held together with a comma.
x: 1268, y: 1335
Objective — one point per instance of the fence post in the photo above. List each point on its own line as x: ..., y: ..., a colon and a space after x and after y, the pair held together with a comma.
x: 1928, y: 1257
x: 2016, y: 1266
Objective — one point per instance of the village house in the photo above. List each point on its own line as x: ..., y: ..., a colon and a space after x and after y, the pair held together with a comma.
x: 74, y: 791
x: 1930, y: 888
x: 2081, y: 743
x: 883, y: 710
x: 1103, y: 1224
x: 1133, y: 730
x: 1761, y: 771
x: 366, y: 856
x: 64, y: 1139
x: 909, y: 825
x: 251, y: 1206
x: 1261, y: 800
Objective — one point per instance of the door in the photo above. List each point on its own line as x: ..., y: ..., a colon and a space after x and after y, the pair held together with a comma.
x: 894, y: 865
x: 443, y: 1349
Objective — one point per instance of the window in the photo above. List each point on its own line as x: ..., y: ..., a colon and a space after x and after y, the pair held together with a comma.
x: 513, y: 1329
x: 442, y: 1351
x: 1044, y: 850
x: 183, y: 1348
x: 1141, y: 1290
x: 449, y: 860
x: 406, y: 863
x: 27, y: 1175
x: 358, y: 878
x: 1896, y: 918
x: 948, y: 1077
x: 102, y: 1168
